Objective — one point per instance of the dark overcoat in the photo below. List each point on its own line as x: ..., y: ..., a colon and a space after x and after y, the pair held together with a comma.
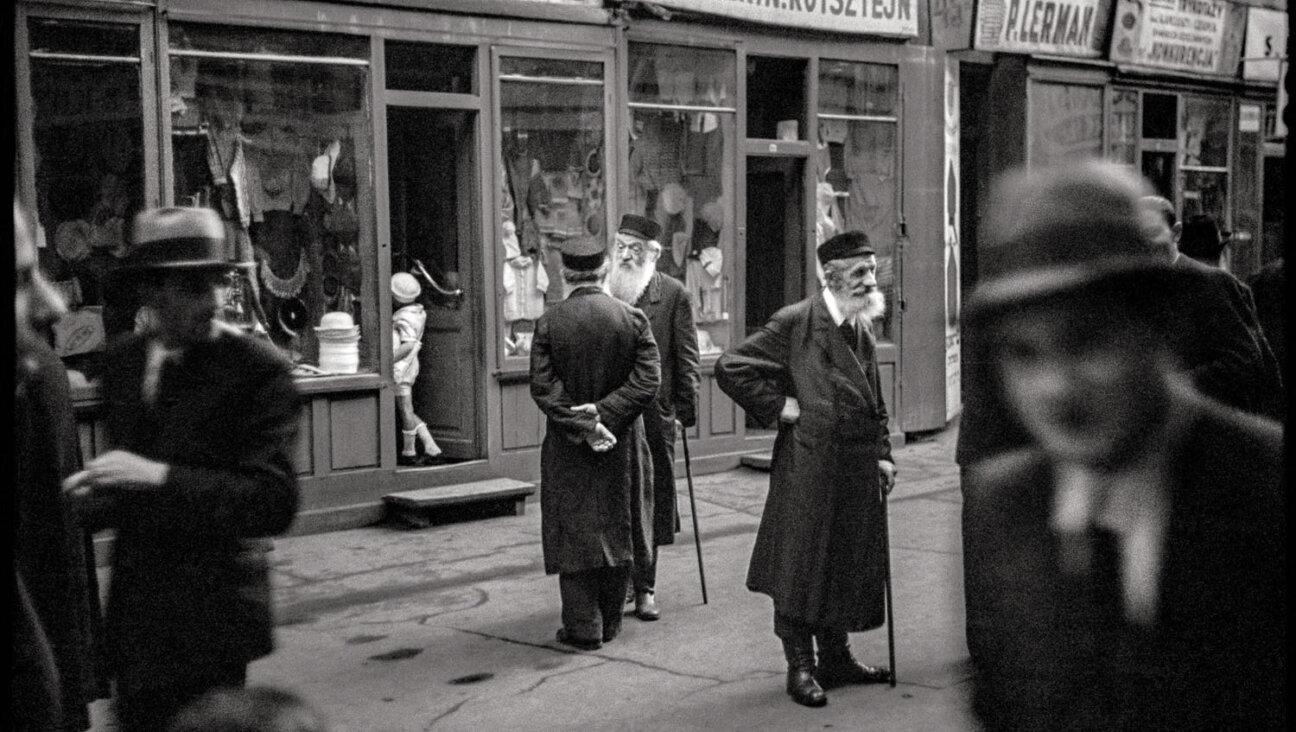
x: 825, y: 467
x: 666, y: 303
x: 53, y: 554
x: 1052, y: 658
x: 190, y: 582
x: 596, y: 508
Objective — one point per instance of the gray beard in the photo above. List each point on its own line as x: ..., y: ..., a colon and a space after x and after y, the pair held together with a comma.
x: 628, y: 283
x: 872, y: 306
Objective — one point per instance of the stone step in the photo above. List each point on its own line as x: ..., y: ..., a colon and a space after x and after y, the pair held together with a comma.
x: 412, y: 507
x: 759, y: 461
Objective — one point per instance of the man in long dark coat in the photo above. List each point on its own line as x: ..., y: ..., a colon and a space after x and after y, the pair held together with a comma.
x: 636, y: 281
x: 202, y: 419
x: 1131, y: 555
x: 819, y: 550
x: 594, y: 370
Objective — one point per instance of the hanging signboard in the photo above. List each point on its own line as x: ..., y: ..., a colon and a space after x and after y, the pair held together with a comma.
x: 951, y: 24
x: 1054, y: 27
x: 872, y: 17
x: 1193, y: 36
x: 1266, y: 42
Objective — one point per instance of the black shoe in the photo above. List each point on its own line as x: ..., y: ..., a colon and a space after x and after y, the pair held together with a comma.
x: 646, y: 606
x: 585, y: 644
x: 834, y: 672
x: 801, y: 684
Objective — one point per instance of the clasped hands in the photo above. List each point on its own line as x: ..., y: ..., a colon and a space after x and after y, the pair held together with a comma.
x: 601, y: 438
x: 791, y: 412
x: 117, y: 468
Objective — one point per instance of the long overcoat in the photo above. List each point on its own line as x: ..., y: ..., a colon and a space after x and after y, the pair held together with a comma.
x: 819, y: 551
x: 190, y: 582
x: 666, y: 303
x: 596, y: 508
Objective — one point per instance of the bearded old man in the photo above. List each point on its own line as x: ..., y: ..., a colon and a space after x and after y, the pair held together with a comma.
x: 635, y: 281
x: 819, y: 551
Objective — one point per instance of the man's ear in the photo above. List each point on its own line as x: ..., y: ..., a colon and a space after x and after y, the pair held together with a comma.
x: 654, y: 251
x: 1177, y: 229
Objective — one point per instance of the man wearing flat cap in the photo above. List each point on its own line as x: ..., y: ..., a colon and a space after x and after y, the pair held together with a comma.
x: 594, y: 372
x: 635, y: 281
x: 1130, y: 557
x: 202, y: 420
x: 819, y: 551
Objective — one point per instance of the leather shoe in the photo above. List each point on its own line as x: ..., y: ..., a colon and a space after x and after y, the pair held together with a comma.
x: 585, y: 644
x: 646, y: 606
x: 803, y: 688
x: 840, y: 672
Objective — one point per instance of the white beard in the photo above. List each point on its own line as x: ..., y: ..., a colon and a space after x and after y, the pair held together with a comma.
x: 628, y: 283
x: 870, y: 307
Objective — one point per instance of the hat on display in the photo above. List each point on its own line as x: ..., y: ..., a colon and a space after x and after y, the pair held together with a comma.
x: 179, y: 238
x: 405, y: 288
x: 583, y: 253
x: 640, y: 226
x: 844, y: 246
x: 1071, y: 230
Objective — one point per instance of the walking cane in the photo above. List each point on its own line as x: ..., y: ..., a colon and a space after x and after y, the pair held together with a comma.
x: 697, y: 538
x: 890, y: 610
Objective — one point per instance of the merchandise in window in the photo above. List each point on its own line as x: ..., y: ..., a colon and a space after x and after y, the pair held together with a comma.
x: 89, y: 170
x: 683, y: 120
x: 553, y: 181
x: 1066, y: 123
x: 856, y: 167
x: 270, y: 128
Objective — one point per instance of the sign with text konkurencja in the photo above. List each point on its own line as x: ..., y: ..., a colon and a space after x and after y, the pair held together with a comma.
x: 1194, y: 36
x: 1053, y: 27
x: 873, y: 17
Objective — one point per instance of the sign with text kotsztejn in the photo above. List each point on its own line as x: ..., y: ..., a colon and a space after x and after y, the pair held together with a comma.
x: 1053, y: 27
x: 873, y: 17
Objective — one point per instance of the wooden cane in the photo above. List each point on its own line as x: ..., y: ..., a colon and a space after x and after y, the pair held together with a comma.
x: 890, y: 610
x: 697, y: 537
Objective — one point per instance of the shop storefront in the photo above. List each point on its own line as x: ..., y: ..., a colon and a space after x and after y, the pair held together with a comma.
x: 1157, y: 86
x: 461, y: 143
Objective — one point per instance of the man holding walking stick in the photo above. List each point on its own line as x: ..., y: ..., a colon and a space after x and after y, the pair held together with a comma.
x: 820, y: 551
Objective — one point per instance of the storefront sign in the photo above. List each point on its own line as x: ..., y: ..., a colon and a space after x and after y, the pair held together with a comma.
x: 951, y: 24
x: 875, y: 17
x: 953, y: 353
x: 1196, y: 36
x: 1055, y: 27
x: 1266, y: 43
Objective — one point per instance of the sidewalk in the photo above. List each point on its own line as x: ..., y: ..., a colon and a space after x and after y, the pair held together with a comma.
x: 451, y: 628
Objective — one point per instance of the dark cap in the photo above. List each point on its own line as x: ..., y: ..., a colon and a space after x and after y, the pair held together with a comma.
x: 640, y: 226
x: 844, y: 246
x: 583, y: 253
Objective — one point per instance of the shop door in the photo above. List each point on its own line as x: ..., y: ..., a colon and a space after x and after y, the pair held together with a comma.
x: 431, y: 184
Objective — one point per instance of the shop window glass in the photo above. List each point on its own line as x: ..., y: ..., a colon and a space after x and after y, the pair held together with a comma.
x: 89, y: 169
x: 431, y: 67
x: 271, y: 129
x: 1065, y: 123
x: 776, y: 98
x: 1205, y: 131
x: 681, y: 172
x: 1160, y: 116
x: 553, y: 181
x: 1122, y: 126
x: 856, y: 167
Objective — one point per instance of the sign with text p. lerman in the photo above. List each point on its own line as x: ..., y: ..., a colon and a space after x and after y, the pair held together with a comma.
x: 1075, y: 28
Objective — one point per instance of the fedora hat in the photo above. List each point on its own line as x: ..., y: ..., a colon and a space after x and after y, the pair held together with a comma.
x: 179, y: 238
x: 1070, y: 230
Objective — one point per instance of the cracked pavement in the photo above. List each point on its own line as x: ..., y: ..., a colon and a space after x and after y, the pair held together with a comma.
x: 388, y: 629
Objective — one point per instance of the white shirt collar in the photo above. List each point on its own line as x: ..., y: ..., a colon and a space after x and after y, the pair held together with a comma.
x: 834, y: 310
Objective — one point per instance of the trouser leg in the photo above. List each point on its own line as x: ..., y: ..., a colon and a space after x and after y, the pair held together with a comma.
x: 581, y: 616
x: 147, y: 699
x: 645, y: 575
x: 611, y: 587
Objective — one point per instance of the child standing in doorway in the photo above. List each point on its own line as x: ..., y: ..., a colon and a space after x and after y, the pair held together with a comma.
x: 407, y: 337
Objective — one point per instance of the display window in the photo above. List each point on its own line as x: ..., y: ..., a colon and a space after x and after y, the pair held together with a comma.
x: 857, y: 165
x: 88, y: 162
x: 683, y: 113
x: 552, y: 170
x: 272, y: 130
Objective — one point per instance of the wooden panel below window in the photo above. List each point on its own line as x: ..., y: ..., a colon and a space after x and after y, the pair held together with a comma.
x: 523, y: 424
x: 722, y: 410
x: 353, y: 432
x: 303, y: 456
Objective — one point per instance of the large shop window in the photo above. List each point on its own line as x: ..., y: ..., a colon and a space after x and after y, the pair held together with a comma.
x: 553, y: 176
x: 271, y: 129
x: 1065, y: 122
x: 683, y: 113
x: 89, y: 169
x: 857, y: 166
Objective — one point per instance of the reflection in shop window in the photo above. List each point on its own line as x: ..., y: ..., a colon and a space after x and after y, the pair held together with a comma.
x: 89, y: 169
x: 269, y: 128
x: 683, y: 121
x: 553, y: 179
x: 856, y: 167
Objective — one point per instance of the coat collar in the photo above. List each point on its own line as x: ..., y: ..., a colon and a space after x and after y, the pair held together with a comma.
x: 825, y: 334
x: 653, y: 292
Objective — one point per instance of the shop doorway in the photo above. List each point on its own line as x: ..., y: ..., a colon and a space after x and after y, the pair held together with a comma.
x: 431, y: 182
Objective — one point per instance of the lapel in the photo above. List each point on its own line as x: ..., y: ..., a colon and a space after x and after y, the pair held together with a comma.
x: 843, y: 358
x: 651, y: 296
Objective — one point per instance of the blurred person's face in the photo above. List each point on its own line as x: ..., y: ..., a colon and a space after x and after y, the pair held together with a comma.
x: 185, y: 304
x: 1089, y: 388
x: 1158, y: 231
x: 37, y: 305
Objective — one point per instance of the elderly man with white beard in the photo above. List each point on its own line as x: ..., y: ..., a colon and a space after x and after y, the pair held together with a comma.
x: 820, y: 549
x: 635, y: 281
